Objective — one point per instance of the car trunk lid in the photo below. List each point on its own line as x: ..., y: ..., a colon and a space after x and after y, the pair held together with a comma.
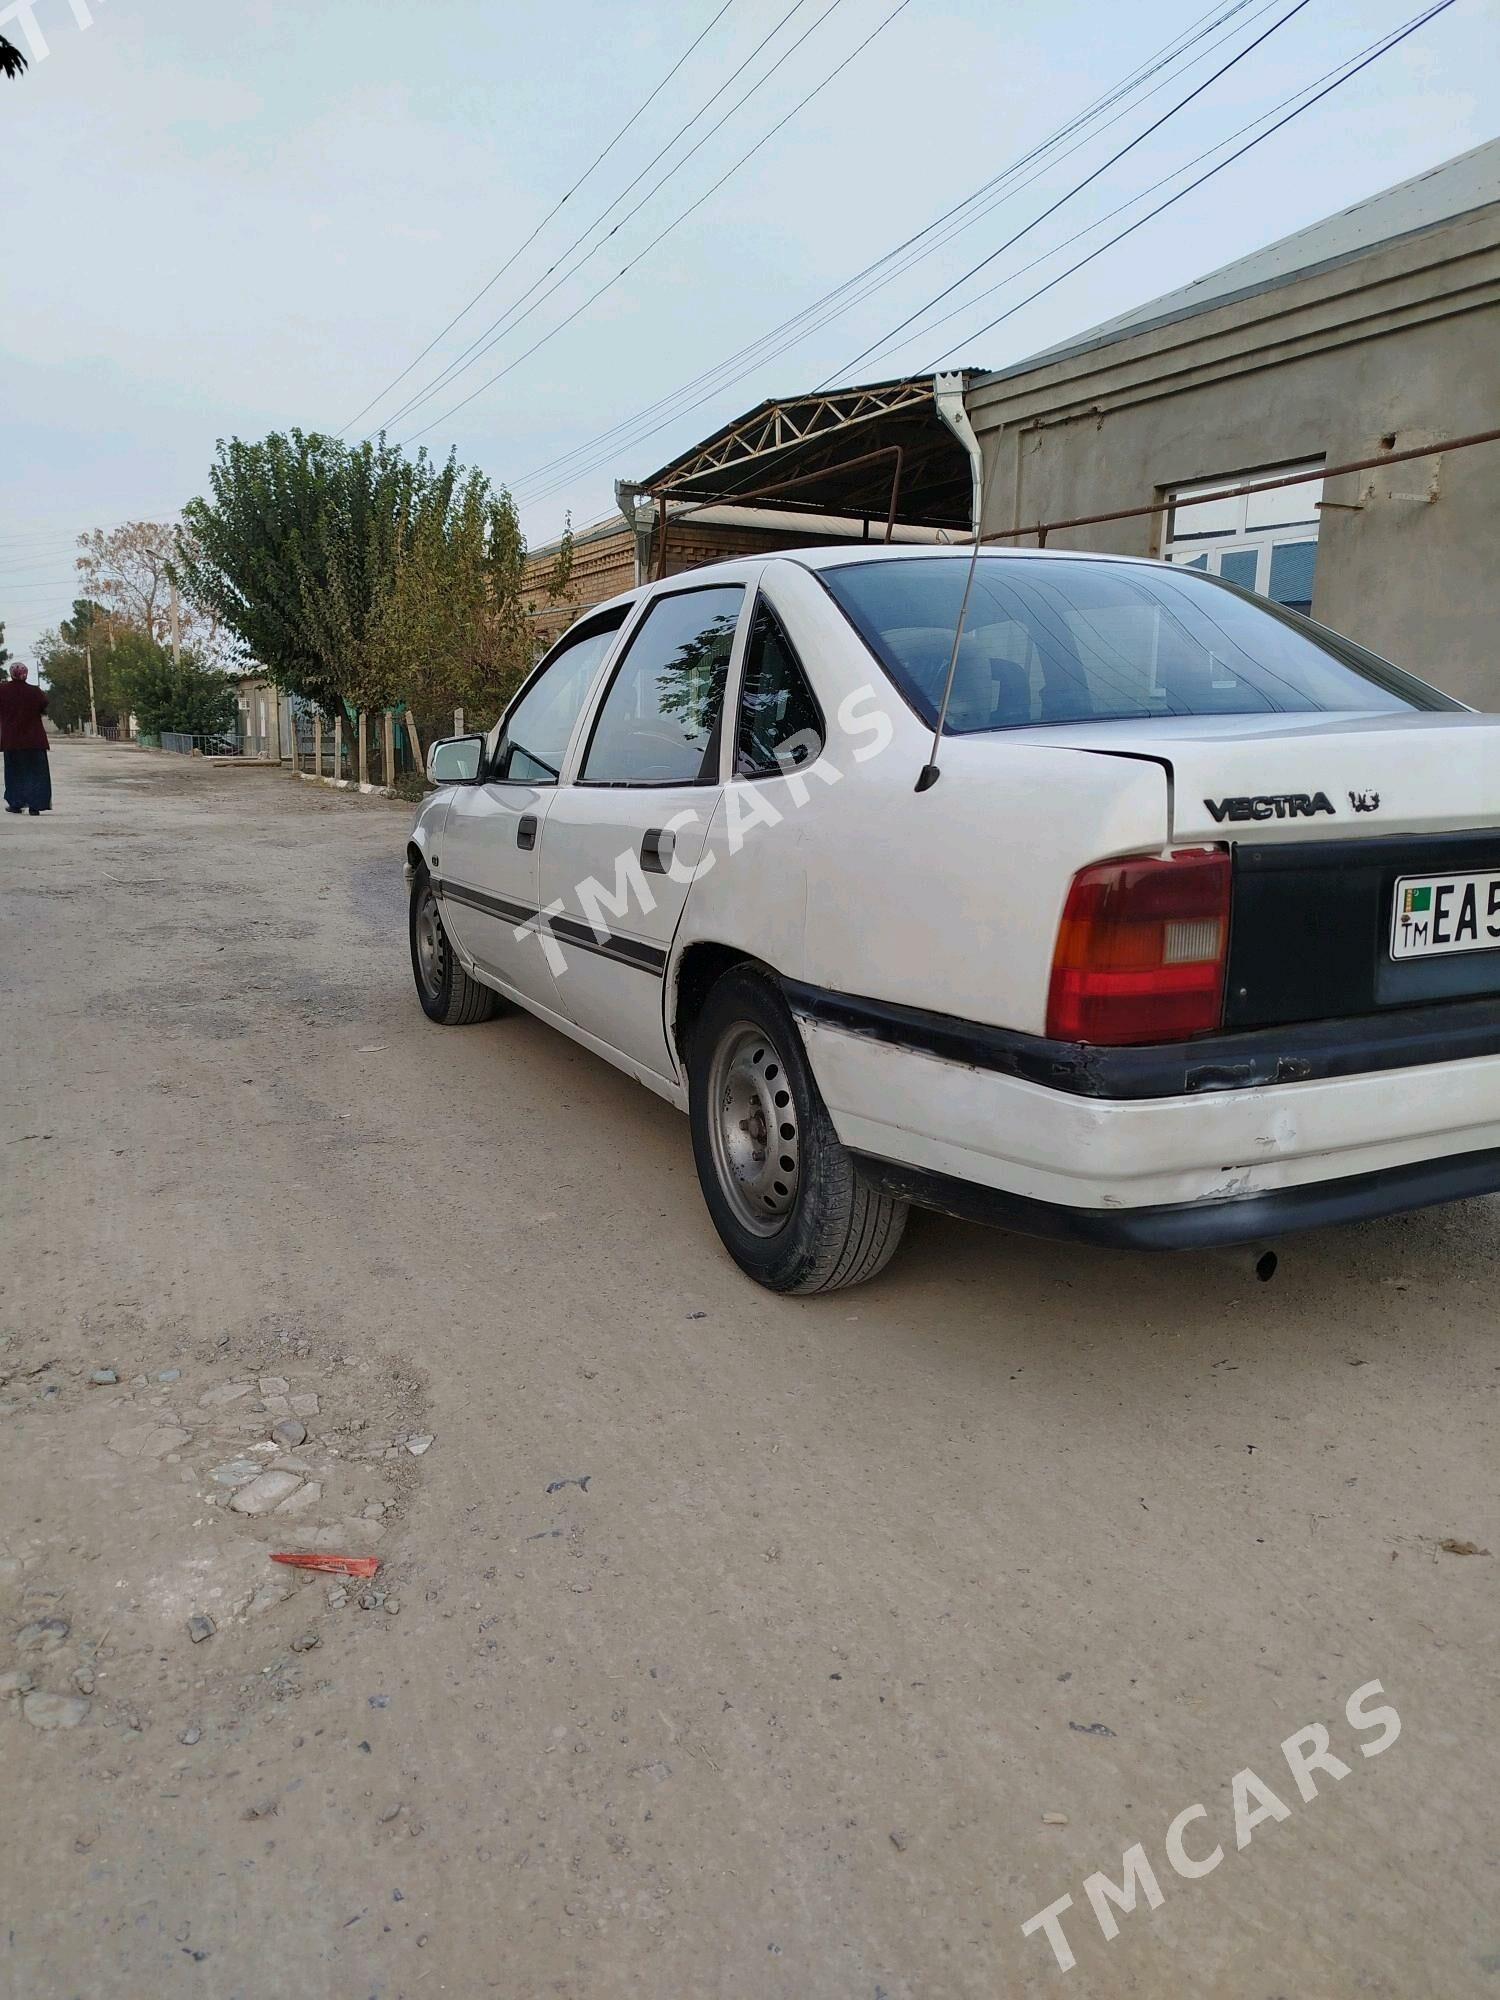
x: 1312, y: 777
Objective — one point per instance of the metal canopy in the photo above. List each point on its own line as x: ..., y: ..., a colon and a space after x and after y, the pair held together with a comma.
x: 880, y: 452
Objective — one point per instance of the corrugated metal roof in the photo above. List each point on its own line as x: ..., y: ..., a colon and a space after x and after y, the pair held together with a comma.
x: 1453, y: 188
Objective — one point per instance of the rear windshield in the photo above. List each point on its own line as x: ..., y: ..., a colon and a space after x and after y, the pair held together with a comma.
x: 1047, y: 640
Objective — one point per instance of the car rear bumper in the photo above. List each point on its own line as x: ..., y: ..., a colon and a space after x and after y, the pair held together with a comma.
x: 1284, y: 1155
x: 1200, y: 1225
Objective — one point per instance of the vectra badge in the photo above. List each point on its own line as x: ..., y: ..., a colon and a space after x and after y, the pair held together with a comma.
x: 1272, y: 805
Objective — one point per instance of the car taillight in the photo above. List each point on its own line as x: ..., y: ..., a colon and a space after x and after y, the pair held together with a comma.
x: 1141, y: 949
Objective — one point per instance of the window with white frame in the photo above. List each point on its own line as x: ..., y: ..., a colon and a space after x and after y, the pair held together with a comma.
x: 1266, y: 539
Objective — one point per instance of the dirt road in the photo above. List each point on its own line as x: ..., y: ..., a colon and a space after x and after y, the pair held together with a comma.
x: 727, y: 1645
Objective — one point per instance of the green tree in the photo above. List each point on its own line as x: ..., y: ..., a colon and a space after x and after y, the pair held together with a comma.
x: 186, y: 694
x: 63, y: 658
x: 358, y: 577
x: 296, y: 546
x: 449, y: 628
x: 63, y: 668
x: 4, y: 649
x: 91, y: 624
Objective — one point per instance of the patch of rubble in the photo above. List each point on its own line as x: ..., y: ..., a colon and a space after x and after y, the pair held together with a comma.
x: 283, y: 1448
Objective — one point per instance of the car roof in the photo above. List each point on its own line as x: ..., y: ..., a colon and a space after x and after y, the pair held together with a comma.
x: 838, y: 555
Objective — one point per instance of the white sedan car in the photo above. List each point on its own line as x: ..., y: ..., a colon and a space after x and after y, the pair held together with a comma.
x: 1183, y: 931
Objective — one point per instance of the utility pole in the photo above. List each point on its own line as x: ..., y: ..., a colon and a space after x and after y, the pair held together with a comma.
x: 176, y: 629
x: 88, y: 654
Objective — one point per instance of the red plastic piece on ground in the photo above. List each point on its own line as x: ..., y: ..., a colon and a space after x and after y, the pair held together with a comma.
x: 340, y: 1565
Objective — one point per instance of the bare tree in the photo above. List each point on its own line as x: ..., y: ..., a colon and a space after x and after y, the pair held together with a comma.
x: 129, y: 572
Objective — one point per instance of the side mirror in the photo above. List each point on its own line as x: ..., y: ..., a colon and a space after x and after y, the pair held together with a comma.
x: 456, y: 760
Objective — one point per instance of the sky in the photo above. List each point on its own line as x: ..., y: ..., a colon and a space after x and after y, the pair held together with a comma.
x: 225, y: 220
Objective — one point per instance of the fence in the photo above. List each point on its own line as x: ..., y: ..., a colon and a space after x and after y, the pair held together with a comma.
x: 378, y: 748
x: 186, y: 745
x: 374, y: 747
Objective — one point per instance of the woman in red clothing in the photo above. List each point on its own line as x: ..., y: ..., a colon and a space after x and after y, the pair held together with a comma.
x: 23, y: 743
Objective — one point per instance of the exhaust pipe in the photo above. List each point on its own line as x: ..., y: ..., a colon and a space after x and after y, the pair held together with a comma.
x: 1252, y: 1260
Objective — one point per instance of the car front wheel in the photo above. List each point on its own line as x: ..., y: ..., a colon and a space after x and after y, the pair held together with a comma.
x: 447, y: 993
x: 786, y: 1198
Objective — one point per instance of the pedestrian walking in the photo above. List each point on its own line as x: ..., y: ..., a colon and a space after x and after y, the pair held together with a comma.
x: 23, y: 745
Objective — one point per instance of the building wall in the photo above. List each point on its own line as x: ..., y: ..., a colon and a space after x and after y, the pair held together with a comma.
x: 1402, y: 342
x: 603, y: 566
x: 259, y: 714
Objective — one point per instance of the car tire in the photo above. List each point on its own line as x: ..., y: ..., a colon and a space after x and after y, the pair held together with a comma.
x: 789, y: 1203
x: 447, y: 993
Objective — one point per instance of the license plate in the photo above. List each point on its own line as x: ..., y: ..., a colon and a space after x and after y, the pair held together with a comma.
x: 1432, y: 915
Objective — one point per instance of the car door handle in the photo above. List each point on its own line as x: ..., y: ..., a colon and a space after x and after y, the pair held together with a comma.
x: 526, y: 830
x: 656, y: 850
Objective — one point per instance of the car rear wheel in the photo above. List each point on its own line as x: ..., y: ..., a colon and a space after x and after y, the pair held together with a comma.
x: 447, y: 993
x: 786, y: 1198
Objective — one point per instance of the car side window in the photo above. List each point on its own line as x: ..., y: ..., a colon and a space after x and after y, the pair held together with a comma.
x: 659, y: 722
x: 534, y: 738
x: 780, y: 723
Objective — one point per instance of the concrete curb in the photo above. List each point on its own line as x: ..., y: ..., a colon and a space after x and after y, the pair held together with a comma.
x: 349, y: 785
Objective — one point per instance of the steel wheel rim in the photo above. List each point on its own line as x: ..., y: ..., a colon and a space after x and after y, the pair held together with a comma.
x: 754, y: 1129
x: 432, y: 946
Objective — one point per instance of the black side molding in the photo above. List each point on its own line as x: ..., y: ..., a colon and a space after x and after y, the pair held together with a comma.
x: 608, y: 944
x: 1305, y: 1052
x: 492, y: 906
x: 1199, y: 1225
x: 627, y: 950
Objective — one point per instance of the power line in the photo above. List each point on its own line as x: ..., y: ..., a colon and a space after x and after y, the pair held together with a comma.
x: 497, y: 331
x: 824, y: 310
x: 1141, y: 194
x: 447, y: 373
x: 158, y: 516
x: 1343, y: 74
x: 520, y: 248
x: 38, y: 535
x: 1088, y: 180
x: 708, y: 193
x: 1400, y: 35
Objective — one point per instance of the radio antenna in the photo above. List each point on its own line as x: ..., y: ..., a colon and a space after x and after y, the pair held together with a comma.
x: 948, y: 394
